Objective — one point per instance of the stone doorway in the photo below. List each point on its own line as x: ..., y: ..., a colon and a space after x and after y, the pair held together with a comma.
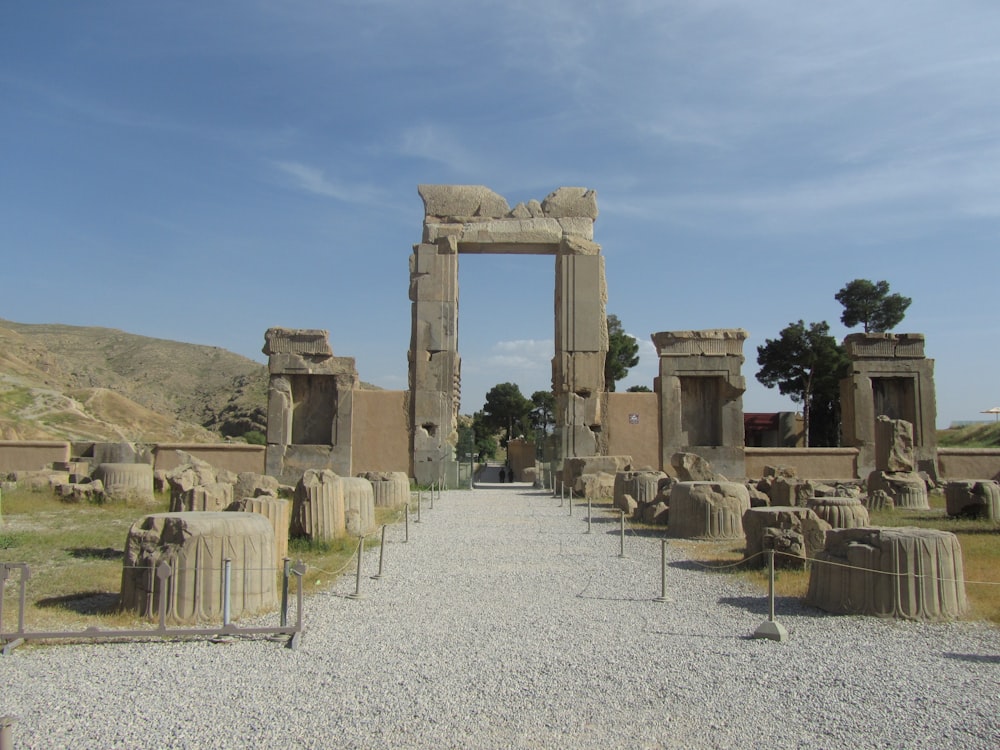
x: 460, y: 220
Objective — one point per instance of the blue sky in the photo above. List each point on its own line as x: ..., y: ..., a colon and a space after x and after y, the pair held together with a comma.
x: 201, y: 171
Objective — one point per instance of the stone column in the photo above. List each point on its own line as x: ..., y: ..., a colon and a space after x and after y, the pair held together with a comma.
x: 581, y: 345
x: 435, y: 367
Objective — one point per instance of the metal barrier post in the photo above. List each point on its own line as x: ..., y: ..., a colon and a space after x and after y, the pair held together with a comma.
x: 406, y: 515
x: 562, y: 493
x: 589, y: 519
x: 285, y: 572
x: 663, y: 574
x: 357, y: 580
x: 621, y: 543
x: 381, y: 555
x: 227, y: 567
x: 771, y: 628
x: 419, y: 493
x: 571, y: 505
x: 432, y: 495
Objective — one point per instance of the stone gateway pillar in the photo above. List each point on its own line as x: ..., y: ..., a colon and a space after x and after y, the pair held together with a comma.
x: 471, y: 219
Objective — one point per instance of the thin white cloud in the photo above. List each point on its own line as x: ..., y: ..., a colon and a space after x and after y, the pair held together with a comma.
x: 314, y: 180
x: 522, y: 355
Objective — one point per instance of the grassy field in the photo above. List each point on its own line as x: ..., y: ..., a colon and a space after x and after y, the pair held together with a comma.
x: 75, y: 551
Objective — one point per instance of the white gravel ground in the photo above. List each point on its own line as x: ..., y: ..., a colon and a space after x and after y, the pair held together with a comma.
x: 501, y: 624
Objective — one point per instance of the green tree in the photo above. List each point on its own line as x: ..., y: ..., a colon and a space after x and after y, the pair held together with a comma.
x: 543, y: 411
x: 507, y: 409
x: 623, y: 353
x: 639, y: 389
x: 807, y: 365
x: 871, y: 305
x: 484, y: 440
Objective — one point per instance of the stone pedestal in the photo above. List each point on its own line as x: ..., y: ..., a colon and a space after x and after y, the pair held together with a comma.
x: 391, y: 488
x: 642, y: 486
x: 708, y: 510
x: 278, y: 511
x: 126, y: 481
x: 798, y: 533
x: 840, y: 512
x: 196, y: 545
x: 359, y: 506
x: 906, y: 490
x: 318, y: 507
x: 973, y: 499
x: 890, y: 572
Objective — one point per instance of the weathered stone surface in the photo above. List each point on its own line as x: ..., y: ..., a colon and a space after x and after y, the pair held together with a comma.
x: 758, y: 499
x: 573, y: 468
x: 691, y: 467
x: 462, y: 201
x: 250, y: 484
x: 907, y: 490
x: 578, y: 227
x: 570, y: 201
x: 126, y: 481
x: 595, y: 486
x: 318, y: 511
x: 513, y: 231
x: 628, y: 505
x: 311, y: 342
x: 279, y: 513
x: 890, y: 572
x: 708, y: 510
x: 210, y: 497
x: 879, y: 500
x: 656, y: 513
x: 972, y: 499
x: 802, y: 535
x: 196, y: 546
x: 894, y: 445
x: 641, y: 485
x: 359, y: 505
x: 840, y: 512
x: 391, y: 488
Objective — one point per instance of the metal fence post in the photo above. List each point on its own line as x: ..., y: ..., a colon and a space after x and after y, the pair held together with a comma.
x: 381, y: 554
x: 285, y: 572
x: 227, y: 576
x: 357, y: 580
x: 621, y: 543
x: 771, y: 628
x: 663, y: 573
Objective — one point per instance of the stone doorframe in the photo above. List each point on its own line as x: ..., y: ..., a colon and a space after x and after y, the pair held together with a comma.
x: 472, y: 219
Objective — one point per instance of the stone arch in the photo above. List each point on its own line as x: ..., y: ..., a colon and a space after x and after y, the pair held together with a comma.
x: 472, y: 219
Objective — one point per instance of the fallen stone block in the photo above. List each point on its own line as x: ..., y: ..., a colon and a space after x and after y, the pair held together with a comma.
x: 708, y: 510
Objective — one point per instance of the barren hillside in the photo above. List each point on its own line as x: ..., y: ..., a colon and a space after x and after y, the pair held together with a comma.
x: 71, y: 382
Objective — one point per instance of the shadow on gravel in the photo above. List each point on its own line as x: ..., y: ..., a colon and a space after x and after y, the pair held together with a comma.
x: 974, y: 658
x: 703, y: 567
x: 783, y: 605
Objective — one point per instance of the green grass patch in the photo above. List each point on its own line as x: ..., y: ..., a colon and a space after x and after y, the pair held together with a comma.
x: 75, y: 554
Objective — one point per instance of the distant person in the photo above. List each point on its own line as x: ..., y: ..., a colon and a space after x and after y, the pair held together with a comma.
x: 503, y: 475
x: 510, y: 475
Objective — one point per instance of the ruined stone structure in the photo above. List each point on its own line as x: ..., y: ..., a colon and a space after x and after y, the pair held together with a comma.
x: 701, y: 396
x: 890, y: 572
x: 309, y: 403
x: 196, y: 545
x: 890, y: 376
x: 474, y: 220
x: 708, y: 510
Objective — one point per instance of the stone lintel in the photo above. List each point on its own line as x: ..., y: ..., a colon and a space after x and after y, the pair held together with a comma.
x: 294, y: 364
x: 462, y: 202
x: 709, y: 342
x: 884, y: 345
x: 308, y: 341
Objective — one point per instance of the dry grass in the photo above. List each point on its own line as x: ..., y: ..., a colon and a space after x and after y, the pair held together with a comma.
x: 75, y: 552
x: 980, y: 542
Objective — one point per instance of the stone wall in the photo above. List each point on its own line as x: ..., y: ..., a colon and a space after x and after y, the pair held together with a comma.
x: 701, y: 396
x: 969, y: 463
x: 811, y: 463
x: 32, y: 455
x: 889, y: 376
x: 380, y: 432
x: 236, y: 457
x: 632, y: 423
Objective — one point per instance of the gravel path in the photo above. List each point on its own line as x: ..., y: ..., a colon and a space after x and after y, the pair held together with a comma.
x: 501, y: 624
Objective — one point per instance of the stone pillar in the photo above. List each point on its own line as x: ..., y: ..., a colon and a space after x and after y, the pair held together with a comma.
x: 435, y: 367
x: 581, y: 339
x: 891, y: 377
x: 309, y: 405
x: 701, y: 397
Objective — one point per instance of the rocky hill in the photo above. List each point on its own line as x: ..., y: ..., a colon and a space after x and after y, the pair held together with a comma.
x: 74, y: 383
